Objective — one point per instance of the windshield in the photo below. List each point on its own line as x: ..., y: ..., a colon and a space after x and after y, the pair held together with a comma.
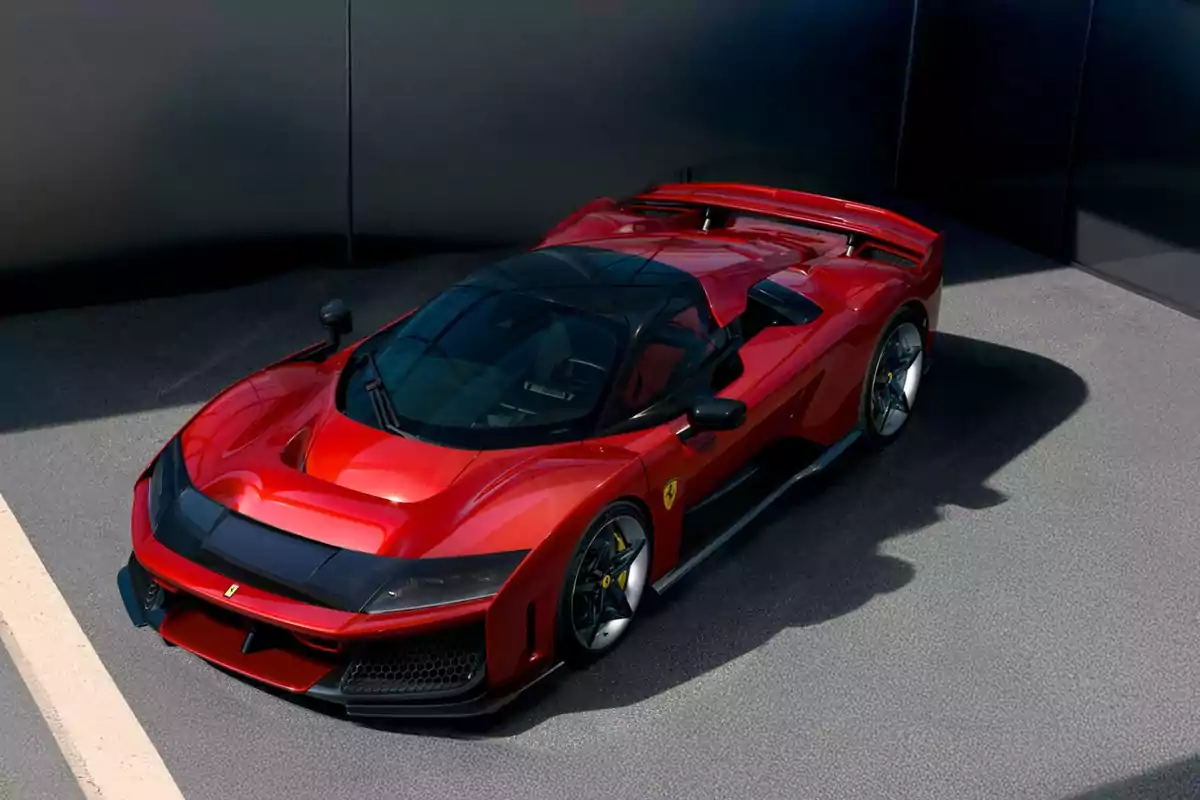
x: 478, y: 368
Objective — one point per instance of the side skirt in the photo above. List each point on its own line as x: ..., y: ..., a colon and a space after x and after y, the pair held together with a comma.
x: 754, y: 477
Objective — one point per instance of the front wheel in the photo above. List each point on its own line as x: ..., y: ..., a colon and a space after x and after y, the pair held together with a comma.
x: 892, y: 380
x: 605, y: 583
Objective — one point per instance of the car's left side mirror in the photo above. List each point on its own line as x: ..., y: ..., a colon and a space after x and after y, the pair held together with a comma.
x: 336, y: 319
x: 716, y: 414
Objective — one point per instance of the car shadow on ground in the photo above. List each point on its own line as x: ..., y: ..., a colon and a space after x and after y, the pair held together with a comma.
x: 1177, y: 780
x: 816, y: 556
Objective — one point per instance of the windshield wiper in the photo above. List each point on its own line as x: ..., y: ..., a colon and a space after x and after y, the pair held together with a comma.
x: 381, y: 401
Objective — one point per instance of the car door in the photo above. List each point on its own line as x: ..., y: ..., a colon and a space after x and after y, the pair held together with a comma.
x: 680, y: 361
x: 702, y: 482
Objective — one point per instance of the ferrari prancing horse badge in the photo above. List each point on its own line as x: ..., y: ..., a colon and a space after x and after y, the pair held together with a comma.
x: 669, y: 492
x: 232, y: 590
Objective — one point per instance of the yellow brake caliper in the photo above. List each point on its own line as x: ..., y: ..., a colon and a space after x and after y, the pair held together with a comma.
x: 621, y: 545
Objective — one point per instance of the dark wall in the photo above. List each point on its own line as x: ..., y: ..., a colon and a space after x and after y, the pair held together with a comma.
x: 1136, y: 205
x: 142, y: 123
x: 991, y: 111
x: 1072, y: 127
x: 496, y: 118
x: 147, y: 123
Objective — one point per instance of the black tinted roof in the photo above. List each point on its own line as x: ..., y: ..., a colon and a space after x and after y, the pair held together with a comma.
x: 523, y: 352
x: 591, y: 279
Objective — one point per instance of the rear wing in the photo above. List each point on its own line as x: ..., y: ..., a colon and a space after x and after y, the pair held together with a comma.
x: 875, y: 234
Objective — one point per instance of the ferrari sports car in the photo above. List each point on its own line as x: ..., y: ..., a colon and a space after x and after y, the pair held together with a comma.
x: 429, y: 520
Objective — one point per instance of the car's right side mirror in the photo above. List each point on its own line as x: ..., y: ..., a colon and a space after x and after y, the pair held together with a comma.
x: 716, y: 414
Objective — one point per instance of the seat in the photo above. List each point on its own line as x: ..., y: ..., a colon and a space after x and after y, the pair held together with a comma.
x: 651, y: 375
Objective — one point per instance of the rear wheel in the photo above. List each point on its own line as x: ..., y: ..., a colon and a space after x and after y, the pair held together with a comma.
x: 892, y: 380
x: 605, y: 583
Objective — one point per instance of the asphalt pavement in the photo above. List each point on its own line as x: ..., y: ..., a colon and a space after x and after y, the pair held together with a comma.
x: 31, y: 766
x: 1002, y: 605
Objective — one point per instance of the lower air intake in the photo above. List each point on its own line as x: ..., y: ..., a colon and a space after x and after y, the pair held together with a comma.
x: 431, y: 664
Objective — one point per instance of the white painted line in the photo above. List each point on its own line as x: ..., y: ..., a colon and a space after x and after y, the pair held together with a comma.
x: 104, y: 744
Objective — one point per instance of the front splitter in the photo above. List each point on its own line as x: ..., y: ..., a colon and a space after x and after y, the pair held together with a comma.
x: 480, y: 704
x: 134, y: 584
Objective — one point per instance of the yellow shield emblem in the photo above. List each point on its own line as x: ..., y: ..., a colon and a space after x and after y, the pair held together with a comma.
x: 669, y: 492
x: 232, y: 590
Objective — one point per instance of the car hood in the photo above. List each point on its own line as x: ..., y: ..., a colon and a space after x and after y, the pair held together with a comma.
x: 275, y: 448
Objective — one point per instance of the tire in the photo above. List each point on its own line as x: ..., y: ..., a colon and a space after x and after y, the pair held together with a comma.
x: 591, y: 619
x: 894, y: 374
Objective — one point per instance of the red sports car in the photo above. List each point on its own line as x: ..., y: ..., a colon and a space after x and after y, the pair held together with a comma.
x: 433, y: 518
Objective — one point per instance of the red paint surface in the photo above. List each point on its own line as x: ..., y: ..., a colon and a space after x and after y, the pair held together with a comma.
x: 295, y: 669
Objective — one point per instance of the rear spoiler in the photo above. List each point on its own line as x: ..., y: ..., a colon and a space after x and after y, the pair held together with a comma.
x: 857, y: 220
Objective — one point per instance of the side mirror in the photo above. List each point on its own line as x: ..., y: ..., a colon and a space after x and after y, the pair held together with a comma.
x: 716, y: 414
x: 336, y: 319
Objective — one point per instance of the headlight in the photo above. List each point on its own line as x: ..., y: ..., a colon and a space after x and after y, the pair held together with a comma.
x: 165, y: 482
x: 158, y: 503
x: 422, y: 583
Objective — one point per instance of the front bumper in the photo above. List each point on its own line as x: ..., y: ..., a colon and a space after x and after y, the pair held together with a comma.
x: 421, y: 674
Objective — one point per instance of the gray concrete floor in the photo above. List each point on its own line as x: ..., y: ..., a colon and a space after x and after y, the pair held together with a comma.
x: 1002, y: 605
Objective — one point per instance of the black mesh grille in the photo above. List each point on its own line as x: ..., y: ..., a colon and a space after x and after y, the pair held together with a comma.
x: 431, y: 664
